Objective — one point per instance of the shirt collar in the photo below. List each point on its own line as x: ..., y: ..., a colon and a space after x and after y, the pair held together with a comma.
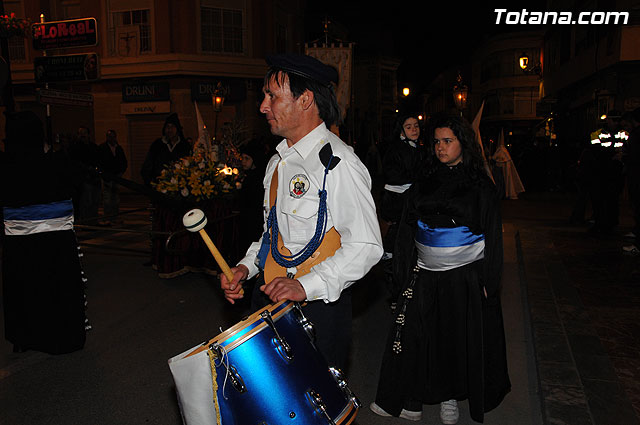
x: 168, y: 143
x: 305, y: 145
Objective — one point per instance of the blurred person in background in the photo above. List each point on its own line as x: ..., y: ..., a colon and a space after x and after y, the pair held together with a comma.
x: 167, y: 149
x: 84, y: 152
x: 400, y: 165
x: 112, y: 163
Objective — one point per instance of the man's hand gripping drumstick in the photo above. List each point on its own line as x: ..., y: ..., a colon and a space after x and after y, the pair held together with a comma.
x: 231, y: 278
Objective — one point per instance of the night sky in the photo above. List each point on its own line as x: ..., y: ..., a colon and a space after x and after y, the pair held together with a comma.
x: 427, y: 36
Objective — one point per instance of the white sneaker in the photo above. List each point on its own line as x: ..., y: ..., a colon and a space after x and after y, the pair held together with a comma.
x: 410, y: 415
x: 630, y: 235
x: 405, y: 414
x: 631, y: 249
x: 449, y: 412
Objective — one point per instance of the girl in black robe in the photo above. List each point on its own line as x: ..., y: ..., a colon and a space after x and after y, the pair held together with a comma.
x: 447, y: 342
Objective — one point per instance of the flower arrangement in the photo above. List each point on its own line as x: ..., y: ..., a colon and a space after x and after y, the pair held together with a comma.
x: 11, y: 26
x: 198, y: 178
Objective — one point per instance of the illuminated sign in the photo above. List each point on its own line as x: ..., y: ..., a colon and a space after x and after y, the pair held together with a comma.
x: 63, y: 34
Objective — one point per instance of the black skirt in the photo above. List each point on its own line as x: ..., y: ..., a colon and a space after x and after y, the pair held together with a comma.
x: 447, y: 343
x: 43, y: 292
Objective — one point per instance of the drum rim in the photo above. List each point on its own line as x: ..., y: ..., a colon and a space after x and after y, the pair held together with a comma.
x: 253, y: 318
x: 349, y: 414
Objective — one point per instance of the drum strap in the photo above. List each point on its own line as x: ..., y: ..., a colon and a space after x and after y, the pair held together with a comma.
x: 329, y: 241
x: 214, y: 376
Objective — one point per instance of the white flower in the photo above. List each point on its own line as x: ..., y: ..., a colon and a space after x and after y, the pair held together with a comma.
x: 174, y: 180
x: 185, y: 192
x: 202, y: 165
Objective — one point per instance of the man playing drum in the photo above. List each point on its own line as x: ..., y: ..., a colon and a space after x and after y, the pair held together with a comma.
x: 321, y: 229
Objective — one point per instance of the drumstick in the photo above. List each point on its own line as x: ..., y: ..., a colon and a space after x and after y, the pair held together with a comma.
x: 195, y: 221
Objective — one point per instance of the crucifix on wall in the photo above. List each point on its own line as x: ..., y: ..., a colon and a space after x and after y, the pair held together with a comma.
x: 128, y: 36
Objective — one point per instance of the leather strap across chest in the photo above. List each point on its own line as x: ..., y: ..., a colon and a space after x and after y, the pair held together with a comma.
x: 329, y: 245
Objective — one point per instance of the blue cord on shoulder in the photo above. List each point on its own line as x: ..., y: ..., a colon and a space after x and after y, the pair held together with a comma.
x: 321, y: 227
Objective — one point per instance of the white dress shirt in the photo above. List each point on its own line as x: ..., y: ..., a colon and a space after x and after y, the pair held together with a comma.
x: 350, y: 209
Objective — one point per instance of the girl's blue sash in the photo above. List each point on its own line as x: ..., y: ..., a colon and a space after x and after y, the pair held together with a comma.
x: 38, y: 218
x: 446, y: 248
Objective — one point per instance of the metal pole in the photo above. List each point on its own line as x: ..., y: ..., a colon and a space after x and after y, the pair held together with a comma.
x: 46, y: 86
x: 7, y: 90
x: 215, y: 127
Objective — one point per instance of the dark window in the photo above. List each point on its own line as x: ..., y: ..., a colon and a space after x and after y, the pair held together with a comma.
x: 222, y: 30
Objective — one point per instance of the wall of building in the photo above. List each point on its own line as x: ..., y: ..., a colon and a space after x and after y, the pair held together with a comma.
x: 175, y: 57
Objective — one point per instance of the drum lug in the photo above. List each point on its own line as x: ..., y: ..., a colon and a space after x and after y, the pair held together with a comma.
x: 236, y: 380
x: 342, y: 383
x: 306, y: 324
x: 282, y: 345
x: 319, y: 405
x: 232, y: 373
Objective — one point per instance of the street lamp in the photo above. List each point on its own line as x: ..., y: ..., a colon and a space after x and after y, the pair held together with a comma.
x: 524, y: 61
x: 527, y: 68
x: 406, y: 91
x: 217, y: 99
x: 460, y: 92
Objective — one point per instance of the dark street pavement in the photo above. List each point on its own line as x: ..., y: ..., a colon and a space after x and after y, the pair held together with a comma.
x: 583, y: 295
x: 570, y: 302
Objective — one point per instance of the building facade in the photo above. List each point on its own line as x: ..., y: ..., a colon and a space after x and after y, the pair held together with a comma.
x: 376, y: 99
x: 576, y: 74
x: 154, y: 58
x: 509, y: 94
x: 592, y: 69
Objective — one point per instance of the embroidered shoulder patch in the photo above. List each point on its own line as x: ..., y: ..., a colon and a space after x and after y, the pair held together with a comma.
x: 298, y: 185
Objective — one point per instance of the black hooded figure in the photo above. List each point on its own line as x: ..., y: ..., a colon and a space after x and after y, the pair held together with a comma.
x: 251, y: 195
x: 401, y: 163
x: 43, y: 282
x: 165, y: 150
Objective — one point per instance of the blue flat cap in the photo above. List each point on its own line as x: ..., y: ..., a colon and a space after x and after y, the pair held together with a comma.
x: 304, y: 66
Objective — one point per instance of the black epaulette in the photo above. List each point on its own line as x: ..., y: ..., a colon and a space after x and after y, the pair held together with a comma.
x: 327, y: 158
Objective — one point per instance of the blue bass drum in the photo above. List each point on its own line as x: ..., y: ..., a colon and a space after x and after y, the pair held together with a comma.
x: 268, y: 372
